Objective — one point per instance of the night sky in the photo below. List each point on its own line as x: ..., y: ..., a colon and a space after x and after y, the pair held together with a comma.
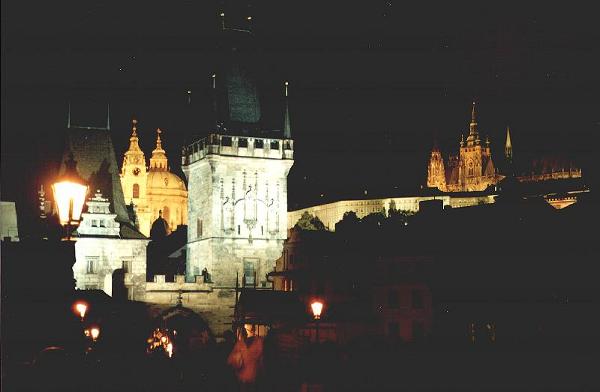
x: 371, y: 83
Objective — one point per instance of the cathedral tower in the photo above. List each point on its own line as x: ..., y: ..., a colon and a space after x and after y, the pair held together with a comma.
x: 436, y: 175
x: 508, y: 154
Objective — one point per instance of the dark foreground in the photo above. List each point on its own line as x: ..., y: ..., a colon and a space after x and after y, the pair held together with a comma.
x: 560, y: 367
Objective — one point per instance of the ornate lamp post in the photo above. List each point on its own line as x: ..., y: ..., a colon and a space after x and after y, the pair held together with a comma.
x: 69, y: 191
x: 317, y: 307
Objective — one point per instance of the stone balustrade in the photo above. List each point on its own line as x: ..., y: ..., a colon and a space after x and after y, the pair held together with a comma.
x: 240, y: 146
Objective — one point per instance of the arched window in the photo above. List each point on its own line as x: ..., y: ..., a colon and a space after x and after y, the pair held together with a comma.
x: 136, y: 191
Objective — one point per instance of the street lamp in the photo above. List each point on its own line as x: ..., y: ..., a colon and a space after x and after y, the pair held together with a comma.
x: 317, y: 308
x: 69, y: 194
x: 81, y: 307
x: 95, y: 332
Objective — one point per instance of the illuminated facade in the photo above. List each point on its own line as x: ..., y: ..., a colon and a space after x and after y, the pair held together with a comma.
x: 331, y: 213
x: 472, y: 170
x: 237, y: 206
x: 154, y: 189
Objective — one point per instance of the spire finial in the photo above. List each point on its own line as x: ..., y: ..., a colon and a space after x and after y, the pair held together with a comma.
x: 69, y: 116
x: 473, y: 113
x: 134, y: 127
x: 108, y: 117
x: 222, y: 15
x: 287, y: 128
x: 214, y: 97
x: 508, y: 145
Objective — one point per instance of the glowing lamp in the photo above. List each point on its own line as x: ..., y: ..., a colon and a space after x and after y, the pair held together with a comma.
x: 69, y: 191
x: 317, y: 308
x: 170, y: 349
x: 81, y: 308
x: 95, y: 332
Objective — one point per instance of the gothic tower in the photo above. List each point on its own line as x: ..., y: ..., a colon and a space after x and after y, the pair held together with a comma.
x: 436, y: 175
x: 475, y: 167
x: 237, y: 206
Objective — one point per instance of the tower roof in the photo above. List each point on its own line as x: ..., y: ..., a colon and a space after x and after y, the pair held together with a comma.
x: 508, y: 142
x: 473, y: 133
x: 158, y: 161
x: 287, y: 129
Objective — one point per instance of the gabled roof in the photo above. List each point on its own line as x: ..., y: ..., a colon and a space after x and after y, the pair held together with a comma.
x: 96, y: 162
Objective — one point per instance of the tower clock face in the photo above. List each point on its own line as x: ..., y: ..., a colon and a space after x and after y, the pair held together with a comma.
x: 136, y: 171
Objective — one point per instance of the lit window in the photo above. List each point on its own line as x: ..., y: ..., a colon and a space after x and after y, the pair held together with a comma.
x: 90, y: 266
x: 136, y: 191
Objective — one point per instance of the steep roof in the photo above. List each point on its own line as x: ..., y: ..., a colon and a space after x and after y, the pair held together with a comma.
x: 94, y: 153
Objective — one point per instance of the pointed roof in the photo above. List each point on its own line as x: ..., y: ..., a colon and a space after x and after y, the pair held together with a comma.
x: 158, y: 161
x: 287, y: 129
x: 134, y: 155
x: 473, y: 137
x: 97, y: 164
x: 508, y: 142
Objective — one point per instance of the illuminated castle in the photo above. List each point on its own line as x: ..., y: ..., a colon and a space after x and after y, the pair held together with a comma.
x: 471, y: 170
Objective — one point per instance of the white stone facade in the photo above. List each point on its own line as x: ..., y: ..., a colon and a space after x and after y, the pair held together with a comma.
x: 332, y: 213
x: 237, y: 206
x: 96, y: 260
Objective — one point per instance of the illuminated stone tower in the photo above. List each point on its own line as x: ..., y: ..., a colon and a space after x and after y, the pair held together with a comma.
x: 436, y: 175
x: 134, y: 179
x: 237, y: 205
x: 475, y: 167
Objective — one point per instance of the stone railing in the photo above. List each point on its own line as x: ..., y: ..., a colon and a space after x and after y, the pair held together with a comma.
x: 242, y: 146
x: 159, y: 284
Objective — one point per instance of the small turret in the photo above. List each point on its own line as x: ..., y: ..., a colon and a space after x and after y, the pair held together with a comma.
x: 158, y: 161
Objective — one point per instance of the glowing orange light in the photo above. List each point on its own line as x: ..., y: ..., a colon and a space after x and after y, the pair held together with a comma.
x: 69, y: 197
x: 170, y: 349
x: 317, y: 308
x: 81, y: 308
x: 163, y: 339
x: 95, y: 332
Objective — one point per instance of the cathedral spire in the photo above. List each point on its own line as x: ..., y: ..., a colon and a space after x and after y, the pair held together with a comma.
x: 473, y: 124
x: 287, y: 129
x: 134, y: 155
x: 508, y: 145
x: 108, y: 117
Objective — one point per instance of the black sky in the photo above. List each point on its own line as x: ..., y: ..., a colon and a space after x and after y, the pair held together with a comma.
x: 371, y: 82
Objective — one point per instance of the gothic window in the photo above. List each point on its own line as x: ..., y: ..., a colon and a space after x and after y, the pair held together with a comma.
x: 199, y: 228
x: 470, y: 168
x: 136, y: 191
x: 238, y: 229
x: 90, y: 265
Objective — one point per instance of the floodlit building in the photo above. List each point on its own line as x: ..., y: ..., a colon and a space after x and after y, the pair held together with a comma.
x: 152, y: 190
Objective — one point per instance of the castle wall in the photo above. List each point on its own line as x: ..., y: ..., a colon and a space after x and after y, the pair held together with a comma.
x: 331, y: 213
